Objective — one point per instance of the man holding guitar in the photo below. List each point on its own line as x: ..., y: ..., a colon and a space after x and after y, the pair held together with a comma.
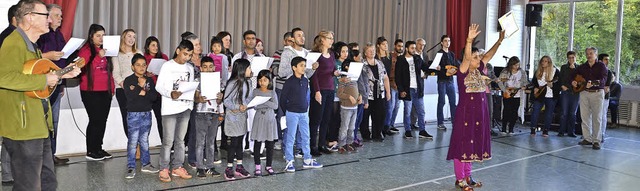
x: 26, y: 123
x: 591, y: 98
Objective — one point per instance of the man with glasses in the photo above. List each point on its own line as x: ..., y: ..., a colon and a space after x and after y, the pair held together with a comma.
x: 26, y: 123
x: 51, y: 44
x: 595, y: 74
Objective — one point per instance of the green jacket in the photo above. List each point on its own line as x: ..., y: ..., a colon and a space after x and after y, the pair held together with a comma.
x: 22, y: 117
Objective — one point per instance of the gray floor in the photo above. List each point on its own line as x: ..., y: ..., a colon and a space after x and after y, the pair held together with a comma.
x: 520, y: 162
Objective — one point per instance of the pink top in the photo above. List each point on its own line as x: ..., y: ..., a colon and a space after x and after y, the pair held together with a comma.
x: 102, y: 78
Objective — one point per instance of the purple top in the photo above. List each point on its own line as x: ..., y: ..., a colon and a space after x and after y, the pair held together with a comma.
x: 592, y: 73
x: 53, y: 41
x: 322, y: 79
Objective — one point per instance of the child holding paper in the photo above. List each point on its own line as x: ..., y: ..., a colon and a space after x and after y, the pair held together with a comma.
x: 264, y: 129
x: 350, y: 98
x: 175, y: 112
x: 207, y: 112
x: 140, y: 94
x: 236, y: 98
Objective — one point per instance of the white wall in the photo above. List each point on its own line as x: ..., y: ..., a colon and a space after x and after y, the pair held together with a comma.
x: 4, y: 9
x: 512, y: 46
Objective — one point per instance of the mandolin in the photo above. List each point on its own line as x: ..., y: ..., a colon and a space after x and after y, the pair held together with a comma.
x: 450, y: 67
x: 582, y: 84
x: 44, y: 66
x: 510, y: 93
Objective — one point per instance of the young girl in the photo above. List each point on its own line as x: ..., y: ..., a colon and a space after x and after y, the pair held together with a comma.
x: 266, y: 131
x: 513, y: 82
x: 544, y: 81
x: 122, y: 70
x: 236, y: 98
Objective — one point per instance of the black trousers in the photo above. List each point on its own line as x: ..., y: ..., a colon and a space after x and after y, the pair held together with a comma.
x: 334, y: 126
x: 319, y: 118
x: 377, y: 112
x: 97, y: 104
x: 256, y: 152
x: 235, y: 150
x: 510, y: 113
x: 122, y: 104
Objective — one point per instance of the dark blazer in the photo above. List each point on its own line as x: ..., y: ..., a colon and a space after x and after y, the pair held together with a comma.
x: 556, y: 84
x: 402, y: 75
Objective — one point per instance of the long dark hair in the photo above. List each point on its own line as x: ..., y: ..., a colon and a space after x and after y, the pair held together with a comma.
x: 148, y: 42
x: 512, y: 61
x: 266, y: 74
x: 220, y: 36
x: 93, y: 29
x: 238, y: 73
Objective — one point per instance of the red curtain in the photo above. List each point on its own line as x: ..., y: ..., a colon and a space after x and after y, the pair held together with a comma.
x: 458, y: 21
x: 68, y: 14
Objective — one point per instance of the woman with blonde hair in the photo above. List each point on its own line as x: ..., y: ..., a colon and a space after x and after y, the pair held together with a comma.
x: 546, y: 91
x: 122, y: 70
x: 322, y: 93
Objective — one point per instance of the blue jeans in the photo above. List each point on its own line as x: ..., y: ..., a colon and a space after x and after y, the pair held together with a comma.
x: 446, y: 88
x: 569, y: 105
x: 206, y: 132
x: 139, y: 126
x: 359, y: 117
x: 392, y: 108
x: 549, y: 106
x: 418, y: 104
x: 297, y: 123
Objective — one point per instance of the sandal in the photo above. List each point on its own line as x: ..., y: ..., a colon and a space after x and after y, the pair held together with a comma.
x: 463, y: 185
x: 473, y: 183
x: 270, y: 171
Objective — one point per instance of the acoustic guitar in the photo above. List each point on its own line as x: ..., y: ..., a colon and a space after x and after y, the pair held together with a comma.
x: 450, y: 67
x: 582, y: 83
x: 542, y: 90
x: 510, y: 93
x: 44, y: 66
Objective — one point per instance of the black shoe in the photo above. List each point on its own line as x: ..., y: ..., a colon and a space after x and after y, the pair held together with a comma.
x: 596, y: 146
x: 442, y: 127
x: 324, y: 149
x: 584, y: 142
x: 212, y: 172
x: 424, y: 134
x: 105, y: 154
x: 414, y: 127
x: 533, y: 131
x: 315, y: 153
x: 58, y: 161
x: 94, y: 156
x: 201, y: 173
x: 393, y: 129
x: 389, y: 132
x: 408, y: 135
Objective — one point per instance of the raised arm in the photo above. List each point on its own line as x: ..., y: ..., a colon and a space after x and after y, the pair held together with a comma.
x: 493, y: 49
x: 473, y: 33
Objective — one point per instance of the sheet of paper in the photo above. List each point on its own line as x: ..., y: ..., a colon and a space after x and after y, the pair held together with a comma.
x: 155, y: 65
x: 188, y: 90
x: 436, y: 61
x: 355, y: 69
x: 112, y: 44
x: 71, y: 46
x: 257, y: 101
x: 258, y: 64
x: 311, y: 58
x: 210, y: 84
x: 508, y: 24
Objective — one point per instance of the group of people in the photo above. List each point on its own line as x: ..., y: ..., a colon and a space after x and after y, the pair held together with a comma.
x: 324, y: 105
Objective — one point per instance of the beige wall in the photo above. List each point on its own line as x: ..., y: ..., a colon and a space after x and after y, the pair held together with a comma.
x: 351, y: 20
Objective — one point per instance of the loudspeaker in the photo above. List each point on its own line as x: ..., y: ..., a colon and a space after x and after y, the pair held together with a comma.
x: 534, y: 15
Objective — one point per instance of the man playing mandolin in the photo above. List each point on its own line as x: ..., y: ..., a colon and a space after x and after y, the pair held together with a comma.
x: 593, y: 72
x: 25, y: 128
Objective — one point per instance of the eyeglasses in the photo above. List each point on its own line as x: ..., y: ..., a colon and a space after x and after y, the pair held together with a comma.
x: 43, y: 14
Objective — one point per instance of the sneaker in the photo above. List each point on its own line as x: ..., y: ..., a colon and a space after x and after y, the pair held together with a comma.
x: 394, y: 129
x: 105, y: 154
x: 164, y: 175
x: 357, y: 143
x: 181, y: 172
x: 212, y: 172
x: 299, y: 155
x: 200, y: 173
x: 510, y: 134
x: 217, y: 161
x: 442, y: 127
x: 408, y: 135
x: 503, y: 133
x: 424, y: 134
x: 312, y: 164
x: 277, y: 147
x: 241, y: 172
x: 334, y: 148
x: 131, y: 173
x: 596, y: 146
x: 193, y: 166
x: 290, y: 167
x: 584, y: 142
x: 350, y: 148
x: 149, y: 169
x: 94, y: 156
x: 229, y: 174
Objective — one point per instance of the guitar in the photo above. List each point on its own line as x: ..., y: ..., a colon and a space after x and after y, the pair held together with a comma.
x: 510, y: 93
x: 44, y: 66
x: 582, y: 83
x: 542, y: 90
x: 450, y: 67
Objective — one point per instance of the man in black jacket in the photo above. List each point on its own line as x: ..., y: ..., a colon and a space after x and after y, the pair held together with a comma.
x: 411, y: 87
x: 445, y: 81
